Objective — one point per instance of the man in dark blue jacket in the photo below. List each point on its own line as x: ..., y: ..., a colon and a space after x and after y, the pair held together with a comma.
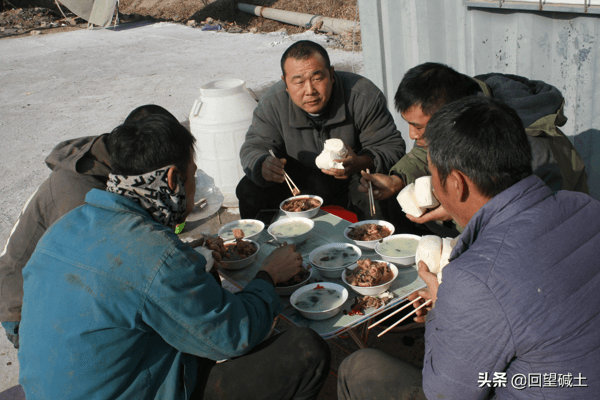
x: 516, y: 313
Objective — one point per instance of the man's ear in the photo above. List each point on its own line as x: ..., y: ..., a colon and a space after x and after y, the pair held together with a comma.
x: 283, y: 79
x: 172, y: 177
x: 460, y: 185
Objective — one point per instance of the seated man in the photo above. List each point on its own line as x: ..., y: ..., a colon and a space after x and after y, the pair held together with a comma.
x: 116, y: 306
x: 295, y: 117
x: 78, y: 165
x: 427, y: 87
x: 503, y: 322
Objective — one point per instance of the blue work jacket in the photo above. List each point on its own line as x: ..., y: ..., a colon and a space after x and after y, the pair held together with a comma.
x: 116, y: 306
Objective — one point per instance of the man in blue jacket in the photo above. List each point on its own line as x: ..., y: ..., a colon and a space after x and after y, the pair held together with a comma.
x: 116, y: 306
x: 516, y: 313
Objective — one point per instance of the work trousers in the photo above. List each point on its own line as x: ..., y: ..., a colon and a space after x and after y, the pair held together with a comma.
x: 335, y: 192
x: 372, y: 374
x: 291, y: 365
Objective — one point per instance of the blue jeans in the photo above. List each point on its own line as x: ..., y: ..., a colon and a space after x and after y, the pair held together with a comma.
x: 12, y: 332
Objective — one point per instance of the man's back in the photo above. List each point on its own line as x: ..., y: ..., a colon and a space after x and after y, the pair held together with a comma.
x: 520, y: 297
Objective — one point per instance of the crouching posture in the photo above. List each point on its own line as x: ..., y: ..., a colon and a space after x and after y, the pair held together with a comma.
x: 117, y: 307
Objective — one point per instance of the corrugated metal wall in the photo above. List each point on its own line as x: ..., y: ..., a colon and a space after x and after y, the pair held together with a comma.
x: 558, y: 48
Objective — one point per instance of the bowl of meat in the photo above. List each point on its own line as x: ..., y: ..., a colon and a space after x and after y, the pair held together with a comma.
x: 247, y: 228
x: 366, y: 234
x: 319, y: 300
x: 305, y: 206
x: 239, y: 253
x: 291, y: 230
x: 300, y: 279
x: 370, y: 277
x: 332, y: 259
x: 398, y: 249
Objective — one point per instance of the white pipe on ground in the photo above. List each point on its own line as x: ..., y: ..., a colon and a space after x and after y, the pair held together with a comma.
x: 323, y: 24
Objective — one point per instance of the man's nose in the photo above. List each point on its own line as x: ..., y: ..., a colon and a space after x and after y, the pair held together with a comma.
x: 414, y: 133
x: 310, y: 88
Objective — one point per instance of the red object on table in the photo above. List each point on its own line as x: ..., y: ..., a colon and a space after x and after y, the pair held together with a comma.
x: 341, y: 212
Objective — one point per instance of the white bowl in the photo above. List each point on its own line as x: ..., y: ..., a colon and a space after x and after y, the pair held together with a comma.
x: 333, y: 271
x: 288, y: 290
x: 400, y: 261
x: 372, y: 290
x: 304, y: 214
x: 243, y: 263
x: 251, y: 225
x: 368, y: 244
x: 291, y: 239
x: 324, y: 314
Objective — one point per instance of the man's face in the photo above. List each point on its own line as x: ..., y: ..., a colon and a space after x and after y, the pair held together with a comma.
x: 417, y: 121
x: 308, y: 83
x: 190, y: 185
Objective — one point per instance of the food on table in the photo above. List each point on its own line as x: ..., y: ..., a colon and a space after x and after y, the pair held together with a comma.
x: 366, y: 232
x: 238, y: 250
x: 301, y: 204
x: 334, y: 149
x: 298, y: 278
x: 238, y: 233
x: 362, y: 303
x: 335, y: 257
x: 290, y: 229
x: 369, y: 273
x: 399, y: 247
x: 248, y: 227
x: 417, y: 197
x: 319, y: 299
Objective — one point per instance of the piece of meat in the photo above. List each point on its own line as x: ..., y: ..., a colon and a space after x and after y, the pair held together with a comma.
x: 366, y: 232
x: 238, y: 233
x: 369, y: 273
x: 303, y: 204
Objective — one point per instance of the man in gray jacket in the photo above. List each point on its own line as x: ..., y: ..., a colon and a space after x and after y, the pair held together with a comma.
x: 503, y: 321
x: 311, y: 104
x: 78, y: 166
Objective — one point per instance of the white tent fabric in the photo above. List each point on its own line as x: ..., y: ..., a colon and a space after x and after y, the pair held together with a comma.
x: 96, y: 12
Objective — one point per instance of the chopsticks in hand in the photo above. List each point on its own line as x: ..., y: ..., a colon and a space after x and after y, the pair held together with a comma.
x: 371, y: 199
x: 295, y: 191
x: 406, y: 316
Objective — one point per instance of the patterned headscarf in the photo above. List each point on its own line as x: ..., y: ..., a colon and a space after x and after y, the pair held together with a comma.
x: 152, y: 192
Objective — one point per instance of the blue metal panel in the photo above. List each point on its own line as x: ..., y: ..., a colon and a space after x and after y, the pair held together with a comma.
x: 558, y: 48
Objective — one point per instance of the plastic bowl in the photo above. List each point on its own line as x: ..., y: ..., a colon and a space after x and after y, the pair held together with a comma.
x: 243, y: 263
x: 291, y: 239
x: 401, y: 261
x: 288, y: 290
x: 226, y: 233
x: 304, y: 214
x: 333, y: 272
x: 372, y: 290
x: 319, y: 315
x: 368, y: 244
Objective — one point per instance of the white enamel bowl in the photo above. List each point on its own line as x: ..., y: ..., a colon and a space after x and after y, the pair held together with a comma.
x: 372, y: 290
x: 304, y: 214
x: 319, y: 315
x: 251, y: 225
x: 288, y: 290
x: 401, y: 261
x: 368, y: 244
x: 333, y: 272
x: 291, y: 239
x: 243, y: 263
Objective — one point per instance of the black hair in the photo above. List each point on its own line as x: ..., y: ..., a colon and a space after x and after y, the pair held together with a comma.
x: 431, y: 85
x: 302, y: 50
x: 482, y: 138
x: 146, y: 110
x: 153, y: 142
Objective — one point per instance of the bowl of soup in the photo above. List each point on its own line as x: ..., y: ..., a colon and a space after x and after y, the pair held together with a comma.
x: 366, y: 234
x: 331, y: 259
x: 304, y: 205
x: 319, y: 300
x: 399, y: 249
x: 291, y: 230
x: 250, y: 227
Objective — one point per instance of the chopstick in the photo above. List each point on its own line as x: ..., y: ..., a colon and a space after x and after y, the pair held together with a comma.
x: 371, y: 199
x: 295, y: 191
x: 395, y: 312
x: 406, y: 316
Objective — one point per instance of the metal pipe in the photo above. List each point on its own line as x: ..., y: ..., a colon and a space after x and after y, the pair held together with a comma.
x: 323, y: 24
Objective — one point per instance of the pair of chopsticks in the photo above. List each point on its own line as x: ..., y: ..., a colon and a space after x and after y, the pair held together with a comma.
x: 371, y: 199
x: 295, y: 191
x: 397, y: 311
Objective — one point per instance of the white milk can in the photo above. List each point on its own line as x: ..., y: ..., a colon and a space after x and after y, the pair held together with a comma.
x: 219, y: 121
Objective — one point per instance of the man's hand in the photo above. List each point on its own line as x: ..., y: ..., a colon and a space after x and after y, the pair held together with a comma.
x: 427, y: 294
x: 352, y: 164
x: 272, y: 169
x: 436, y: 214
x: 283, y: 263
x: 384, y: 186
